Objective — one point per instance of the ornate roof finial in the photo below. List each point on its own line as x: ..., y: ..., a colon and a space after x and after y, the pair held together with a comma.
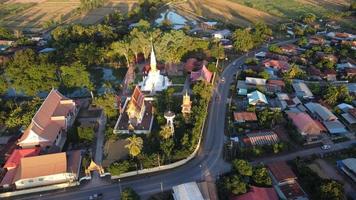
x: 153, y: 63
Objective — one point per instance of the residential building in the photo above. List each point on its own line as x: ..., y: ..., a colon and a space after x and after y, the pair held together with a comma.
x: 350, y: 72
x: 341, y: 36
x: 260, y: 138
x: 46, y: 170
x: 350, y: 116
x: 187, y: 191
x: 335, y: 127
x: 302, y: 90
x: 348, y: 167
x: 330, y: 75
x: 316, y: 40
x: 258, y: 193
x: 257, y: 98
x: 274, y: 56
x: 254, y: 82
x: 221, y: 34
x: 287, y: 101
x: 320, y: 112
x: 49, y: 125
x: 309, y: 128
x: 352, y: 88
x: 314, y: 73
x: 285, y: 181
x: 242, y: 117
x: 342, y: 66
x: 277, y: 65
x: 275, y: 86
x: 289, y: 49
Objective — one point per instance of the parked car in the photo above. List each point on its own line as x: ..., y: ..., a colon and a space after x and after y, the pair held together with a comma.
x: 96, y: 196
x: 325, y: 147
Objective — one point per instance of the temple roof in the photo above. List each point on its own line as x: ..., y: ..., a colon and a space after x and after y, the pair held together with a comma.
x: 137, y: 98
x: 202, y: 74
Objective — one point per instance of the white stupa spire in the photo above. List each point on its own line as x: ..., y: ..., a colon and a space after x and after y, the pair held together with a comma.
x: 153, y: 63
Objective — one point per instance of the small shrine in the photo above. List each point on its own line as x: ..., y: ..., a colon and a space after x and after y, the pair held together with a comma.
x: 186, y: 105
x: 169, y: 115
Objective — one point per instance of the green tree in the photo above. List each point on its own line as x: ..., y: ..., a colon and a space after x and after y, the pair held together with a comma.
x: 108, y: 103
x: 3, y: 84
x: 235, y: 185
x: 86, y: 134
x: 332, y: 190
x: 88, y: 54
x: 118, y: 168
x: 243, y: 40
x: 6, y: 34
x: 332, y: 95
x: 166, y: 132
x: 264, y: 74
x: 309, y: 18
x: 22, y: 115
x: 135, y: 145
x: 217, y: 51
x: 129, y: 194
x: 275, y: 49
x: 30, y: 75
x: 261, y: 177
x: 294, y: 72
x: 167, y: 147
x: 303, y: 41
x: 121, y: 48
x: 243, y: 167
x: 203, y: 90
x: 261, y: 32
x: 75, y: 76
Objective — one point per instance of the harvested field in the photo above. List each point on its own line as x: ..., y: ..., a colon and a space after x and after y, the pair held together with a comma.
x: 30, y: 16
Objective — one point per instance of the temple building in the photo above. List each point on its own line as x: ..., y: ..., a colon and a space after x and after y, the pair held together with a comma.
x: 49, y: 125
x: 154, y: 81
x: 201, y: 75
x: 137, y: 114
x: 186, y: 105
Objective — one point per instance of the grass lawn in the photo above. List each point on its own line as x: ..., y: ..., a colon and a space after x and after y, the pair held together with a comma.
x: 177, y: 79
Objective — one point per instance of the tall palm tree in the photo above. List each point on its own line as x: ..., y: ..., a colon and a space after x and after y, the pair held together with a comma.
x: 165, y: 132
x: 135, y: 145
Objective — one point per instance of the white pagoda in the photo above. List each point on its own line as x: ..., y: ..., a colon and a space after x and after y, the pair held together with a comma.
x: 154, y: 81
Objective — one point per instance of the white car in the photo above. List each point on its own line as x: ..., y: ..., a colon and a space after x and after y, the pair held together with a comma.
x: 223, y: 79
x: 325, y: 147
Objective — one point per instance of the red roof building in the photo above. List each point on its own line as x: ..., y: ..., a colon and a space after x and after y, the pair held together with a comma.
x: 350, y: 72
x: 258, y: 193
x: 281, y: 172
x: 311, y: 129
x: 50, y: 122
x: 202, y: 75
x: 241, y: 117
x: 14, y: 160
x: 276, y: 64
x: 261, y: 137
x: 275, y: 85
x: 290, y: 49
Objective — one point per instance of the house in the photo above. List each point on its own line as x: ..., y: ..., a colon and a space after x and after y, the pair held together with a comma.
x: 341, y: 36
x: 275, y: 86
x: 242, y: 117
x: 49, y: 125
x: 352, y: 88
x: 344, y: 107
x: 320, y: 112
x: 257, y: 98
x: 287, y: 101
x: 274, y: 56
x: 350, y: 116
x: 314, y: 73
x: 316, y: 40
x: 46, y: 170
x: 260, y: 55
x: 208, y: 25
x: 335, y: 127
x: 289, y: 49
x: 201, y: 75
x: 350, y: 72
x: 285, y: 181
x: 260, y: 138
x: 348, y: 167
x: 257, y: 193
x: 221, y: 34
x: 309, y: 128
x: 277, y: 65
x: 330, y: 75
x: 251, y: 81
x: 342, y: 66
x: 329, y: 57
x: 187, y: 191
x: 302, y: 90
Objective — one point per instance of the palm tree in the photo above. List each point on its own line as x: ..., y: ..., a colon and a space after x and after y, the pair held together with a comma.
x: 135, y: 145
x: 166, y: 132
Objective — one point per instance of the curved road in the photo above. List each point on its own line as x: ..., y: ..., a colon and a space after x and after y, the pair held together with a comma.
x: 208, y: 164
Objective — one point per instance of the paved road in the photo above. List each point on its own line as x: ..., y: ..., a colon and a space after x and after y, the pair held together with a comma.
x: 207, y: 164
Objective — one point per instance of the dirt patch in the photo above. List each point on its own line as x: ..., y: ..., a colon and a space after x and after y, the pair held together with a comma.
x: 114, y: 150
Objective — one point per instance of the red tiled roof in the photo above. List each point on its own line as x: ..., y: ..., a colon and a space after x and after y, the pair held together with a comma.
x: 138, y: 98
x: 276, y: 82
x: 292, y: 190
x: 42, y: 124
x: 14, y: 160
x: 329, y: 72
x: 281, y: 171
x: 278, y: 64
x: 305, y: 123
x: 314, y: 71
x: 350, y: 71
x: 202, y: 74
x: 258, y: 193
x: 245, y: 116
x: 352, y: 112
